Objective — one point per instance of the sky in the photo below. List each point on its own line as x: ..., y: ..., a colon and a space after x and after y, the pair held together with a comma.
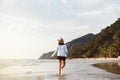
x: 29, y: 28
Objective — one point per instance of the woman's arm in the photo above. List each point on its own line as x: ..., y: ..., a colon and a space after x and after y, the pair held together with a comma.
x: 66, y: 50
x: 55, y: 52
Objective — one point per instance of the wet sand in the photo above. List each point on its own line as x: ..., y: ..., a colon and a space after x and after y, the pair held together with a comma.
x: 74, y: 70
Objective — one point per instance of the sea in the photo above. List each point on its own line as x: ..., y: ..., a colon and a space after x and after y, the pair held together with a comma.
x: 47, y: 69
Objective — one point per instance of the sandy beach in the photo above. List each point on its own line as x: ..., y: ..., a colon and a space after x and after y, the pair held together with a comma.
x: 47, y: 70
x: 96, y: 59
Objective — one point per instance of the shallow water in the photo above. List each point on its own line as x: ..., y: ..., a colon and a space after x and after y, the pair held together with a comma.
x: 110, y: 67
x: 48, y: 70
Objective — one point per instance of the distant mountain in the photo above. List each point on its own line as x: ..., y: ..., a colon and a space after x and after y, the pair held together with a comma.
x: 82, y: 39
x: 71, y: 45
x: 46, y: 55
x: 75, y: 44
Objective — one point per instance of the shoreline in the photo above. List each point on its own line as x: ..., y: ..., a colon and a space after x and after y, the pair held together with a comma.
x: 95, y: 59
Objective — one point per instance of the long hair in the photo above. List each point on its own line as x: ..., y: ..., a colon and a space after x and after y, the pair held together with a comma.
x: 60, y: 43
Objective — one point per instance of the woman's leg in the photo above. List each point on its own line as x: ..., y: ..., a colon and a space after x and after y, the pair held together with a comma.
x: 63, y: 64
x: 59, y: 68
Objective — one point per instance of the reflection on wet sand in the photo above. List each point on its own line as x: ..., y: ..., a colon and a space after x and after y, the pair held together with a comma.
x: 110, y: 67
x: 61, y: 77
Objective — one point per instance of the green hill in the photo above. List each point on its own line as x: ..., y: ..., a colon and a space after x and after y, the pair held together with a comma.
x: 75, y: 46
x: 104, y: 44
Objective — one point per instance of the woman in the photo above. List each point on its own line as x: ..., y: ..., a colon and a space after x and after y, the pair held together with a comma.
x: 61, y: 52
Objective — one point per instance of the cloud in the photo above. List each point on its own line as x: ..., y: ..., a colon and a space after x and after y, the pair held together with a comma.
x: 21, y: 35
x: 78, y: 12
x: 90, y: 2
x: 64, y: 1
